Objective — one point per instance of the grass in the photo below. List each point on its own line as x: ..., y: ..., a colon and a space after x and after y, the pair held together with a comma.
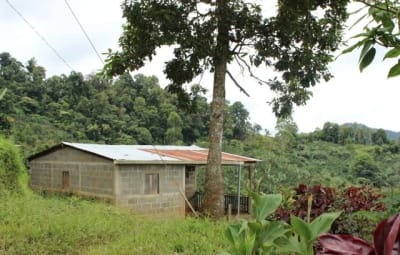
x: 32, y: 224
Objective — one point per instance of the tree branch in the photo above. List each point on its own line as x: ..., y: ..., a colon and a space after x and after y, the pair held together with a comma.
x: 251, y: 72
x: 387, y: 9
x: 237, y: 84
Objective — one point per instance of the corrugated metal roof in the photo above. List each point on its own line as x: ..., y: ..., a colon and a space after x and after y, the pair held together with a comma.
x: 200, y: 155
x: 124, y: 154
x: 121, y: 152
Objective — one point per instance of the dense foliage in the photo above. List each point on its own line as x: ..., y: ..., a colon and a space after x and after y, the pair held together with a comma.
x: 361, y: 207
x: 37, y: 112
x: 13, y: 175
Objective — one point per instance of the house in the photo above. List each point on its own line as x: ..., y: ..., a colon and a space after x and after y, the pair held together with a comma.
x: 147, y: 179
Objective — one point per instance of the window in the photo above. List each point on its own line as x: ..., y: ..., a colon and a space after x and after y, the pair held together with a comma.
x: 151, y: 184
x: 65, y: 179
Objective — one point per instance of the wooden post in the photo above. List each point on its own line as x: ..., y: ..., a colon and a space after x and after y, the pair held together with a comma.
x: 229, y: 211
x: 238, y: 190
x: 250, y: 168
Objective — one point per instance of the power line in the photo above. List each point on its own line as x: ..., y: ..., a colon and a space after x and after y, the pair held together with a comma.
x: 40, y: 36
x: 84, y: 31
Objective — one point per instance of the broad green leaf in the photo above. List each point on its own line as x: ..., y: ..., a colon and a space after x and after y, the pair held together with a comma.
x: 301, y: 228
x: 271, y: 232
x: 387, y: 22
x: 264, y: 205
x: 366, y: 48
x: 291, y: 244
x: 367, y: 59
x: 393, y: 53
x: 323, y: 223
x: 394, y: 71
x: 255, y: 226
x: 232, y: 233
x: 249, y: 245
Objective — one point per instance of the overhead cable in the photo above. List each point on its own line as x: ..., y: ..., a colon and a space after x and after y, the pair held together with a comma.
x: 38, y: 34
x: 84, y: 31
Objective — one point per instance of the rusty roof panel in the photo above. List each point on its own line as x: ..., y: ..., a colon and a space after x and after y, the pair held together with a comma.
x: 199, y: 155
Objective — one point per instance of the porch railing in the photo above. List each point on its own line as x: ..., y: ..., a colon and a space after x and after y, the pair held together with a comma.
x: 197, y: 199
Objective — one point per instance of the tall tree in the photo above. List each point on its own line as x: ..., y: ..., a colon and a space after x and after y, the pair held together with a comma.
x: 379, y: 137
x: 210, y: 35
x: 174, y: 131
x: 330, y: 132
x: 240, y: 116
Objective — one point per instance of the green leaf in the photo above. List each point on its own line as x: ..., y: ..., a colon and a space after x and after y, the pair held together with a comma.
x: 291, y: 244
x: 358, y: 20
x: 393, y: 53
x: 354, y: 46
x: 233, y: 233
x: 367, y: 59
x: 366, y: 48
x: 2, y: 93
x: 323, y: 223
x: 271, y: 232
x: 249, y: 244
x: 394, y: 71
x: 264, y: 205
x: 301, y: 228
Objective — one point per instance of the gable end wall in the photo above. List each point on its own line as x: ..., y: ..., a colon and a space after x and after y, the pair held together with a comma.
x: 89, y: 174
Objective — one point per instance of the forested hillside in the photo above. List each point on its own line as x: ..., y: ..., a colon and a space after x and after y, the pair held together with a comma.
x: 37, y: 112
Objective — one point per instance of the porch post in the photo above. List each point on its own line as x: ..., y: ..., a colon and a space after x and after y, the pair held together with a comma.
x: 250, y: 169
x: 239, y: 177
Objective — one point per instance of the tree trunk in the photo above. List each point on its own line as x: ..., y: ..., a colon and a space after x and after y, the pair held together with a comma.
x: 213, y: 203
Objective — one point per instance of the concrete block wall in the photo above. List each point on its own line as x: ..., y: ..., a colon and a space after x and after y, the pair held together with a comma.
x: 88, y: 174
x: 171, y: 205
x: 130, y: 191
x: 40, y: 174
x: 96, y: 178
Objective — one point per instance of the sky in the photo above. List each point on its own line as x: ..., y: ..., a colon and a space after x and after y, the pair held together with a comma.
x: 369, y: 97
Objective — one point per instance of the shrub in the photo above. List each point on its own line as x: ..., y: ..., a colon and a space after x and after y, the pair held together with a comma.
x: 13, y: 176
x: 361, y: 206
x: 323, y: 199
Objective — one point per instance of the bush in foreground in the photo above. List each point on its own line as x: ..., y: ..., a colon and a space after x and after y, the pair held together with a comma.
x: 13, y: 175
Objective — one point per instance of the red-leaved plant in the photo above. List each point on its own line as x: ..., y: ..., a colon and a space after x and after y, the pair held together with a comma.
x: 386, y: 241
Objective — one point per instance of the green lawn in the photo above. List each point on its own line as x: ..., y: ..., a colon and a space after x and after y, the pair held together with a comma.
x: 33, y: 224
